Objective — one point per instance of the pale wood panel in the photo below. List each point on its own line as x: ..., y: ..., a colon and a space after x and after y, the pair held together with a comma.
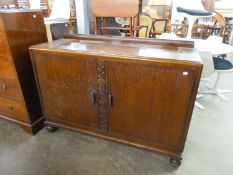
x: 117, y: 8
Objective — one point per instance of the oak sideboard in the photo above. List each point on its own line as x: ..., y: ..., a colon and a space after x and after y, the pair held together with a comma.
x: 133, y: 91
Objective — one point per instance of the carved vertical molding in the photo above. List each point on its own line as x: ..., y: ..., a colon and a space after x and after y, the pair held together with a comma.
x: 101, y: 80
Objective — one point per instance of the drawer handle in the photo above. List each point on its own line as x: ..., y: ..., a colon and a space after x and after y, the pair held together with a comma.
x: 10, y: 108
x: 110, y: 100
x: 3, y: 86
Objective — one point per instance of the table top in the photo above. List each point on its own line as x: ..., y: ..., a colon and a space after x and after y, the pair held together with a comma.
x: 214, y: 47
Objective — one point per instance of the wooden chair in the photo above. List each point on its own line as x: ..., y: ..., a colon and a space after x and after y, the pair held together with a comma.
x: 217, y: 28
x: 23, y: 3
x: 159, y: 26
x: 59, y: 24
x: 145, y: 25
x: 222, y: 22
x: 181, y: 30
x: 9, y: 4
x: 103, y: 9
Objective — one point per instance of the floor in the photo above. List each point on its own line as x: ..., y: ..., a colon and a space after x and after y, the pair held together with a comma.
x: 208, y: 150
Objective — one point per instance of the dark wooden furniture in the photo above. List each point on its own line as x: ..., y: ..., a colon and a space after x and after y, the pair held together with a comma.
x: 19, y: 100
x: 133, y: 91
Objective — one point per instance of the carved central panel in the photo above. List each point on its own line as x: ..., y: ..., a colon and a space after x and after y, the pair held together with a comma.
x: 101, y: 80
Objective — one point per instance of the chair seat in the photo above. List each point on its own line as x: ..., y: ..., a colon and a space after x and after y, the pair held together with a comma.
x: 193, y: 12
x: 222, y: 64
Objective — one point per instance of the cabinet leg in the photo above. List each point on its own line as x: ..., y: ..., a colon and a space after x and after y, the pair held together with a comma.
x: 175, y: 161
x: 50, y: 128
x: 33, y: 128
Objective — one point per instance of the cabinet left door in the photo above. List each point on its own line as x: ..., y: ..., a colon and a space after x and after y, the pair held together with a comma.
x: 68, y: 88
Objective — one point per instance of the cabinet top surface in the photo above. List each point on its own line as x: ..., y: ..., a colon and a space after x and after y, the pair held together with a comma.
x: 120, y: 49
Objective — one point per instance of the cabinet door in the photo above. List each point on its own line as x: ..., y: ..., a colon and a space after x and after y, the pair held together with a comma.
x: 149, y: 102
x: 67, y: 88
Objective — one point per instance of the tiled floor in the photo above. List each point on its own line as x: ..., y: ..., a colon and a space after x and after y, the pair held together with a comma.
x: 208, y: 150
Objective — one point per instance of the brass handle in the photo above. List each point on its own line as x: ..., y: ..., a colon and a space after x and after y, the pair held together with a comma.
x: 10, y: 108
x: 110, y: 100
x: 3, y: 86
x: 93, y: 94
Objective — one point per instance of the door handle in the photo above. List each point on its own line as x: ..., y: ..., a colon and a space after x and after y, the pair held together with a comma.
x: 3, y: 86
x: 110, y: 100
x: 93, y: 95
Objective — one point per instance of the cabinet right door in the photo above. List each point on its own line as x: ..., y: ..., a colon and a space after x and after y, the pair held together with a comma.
x: 149, y: 102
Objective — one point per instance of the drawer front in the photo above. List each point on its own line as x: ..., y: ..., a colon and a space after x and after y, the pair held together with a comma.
x: 3, y: 46
x: 10, y: 88
x: 13, y: 109
x: 6, y: 68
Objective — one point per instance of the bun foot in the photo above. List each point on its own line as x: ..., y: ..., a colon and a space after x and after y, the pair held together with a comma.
x: 175, y: 161
x: 50, y: 128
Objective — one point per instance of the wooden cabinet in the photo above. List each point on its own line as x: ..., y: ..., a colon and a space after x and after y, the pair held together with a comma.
x: 19, y: 99
x: 119, y: 89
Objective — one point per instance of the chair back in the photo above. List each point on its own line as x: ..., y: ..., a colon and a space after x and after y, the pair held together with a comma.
x: 145, y: 25
x: 159, y: 26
